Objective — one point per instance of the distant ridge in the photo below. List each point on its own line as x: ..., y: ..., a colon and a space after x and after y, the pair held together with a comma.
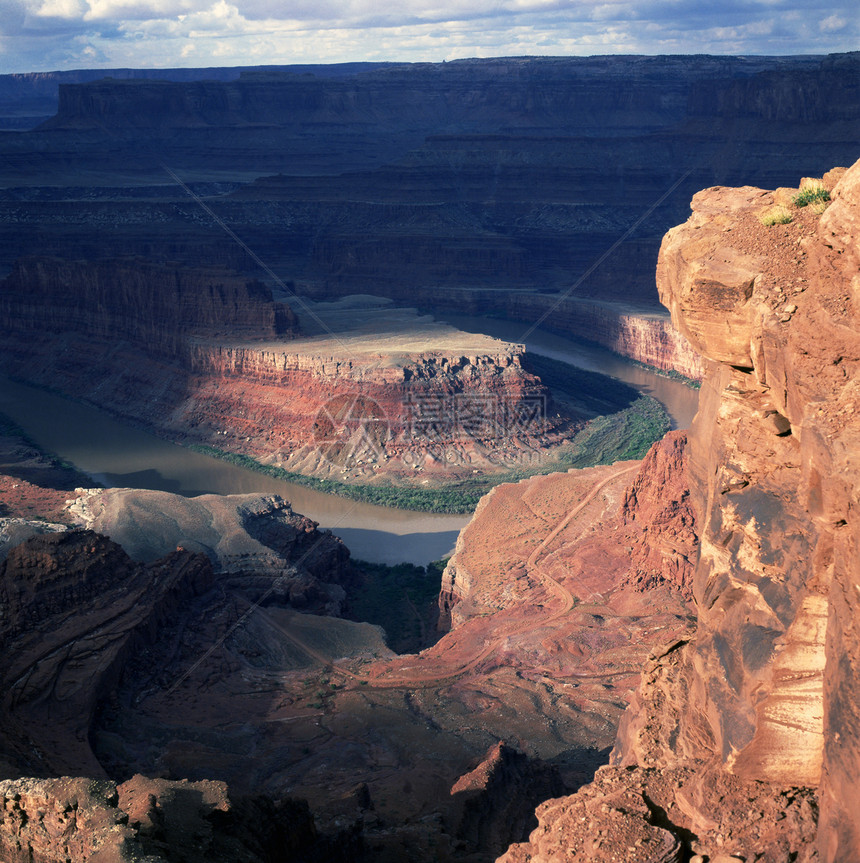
x: 29, y: 98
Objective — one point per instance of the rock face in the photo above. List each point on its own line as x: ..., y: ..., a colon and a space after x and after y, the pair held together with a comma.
x: 429, y: 183
x: 68, y: 820
x: 750, y: 726
x: 60, y: 665
x: 157, y: 307
x: 496, y: 799
x: 658, y: 504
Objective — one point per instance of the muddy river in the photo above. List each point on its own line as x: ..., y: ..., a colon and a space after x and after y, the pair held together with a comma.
x: 120, y: 456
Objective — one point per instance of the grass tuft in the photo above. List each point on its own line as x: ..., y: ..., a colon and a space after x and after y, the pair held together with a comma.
x: 812, y: 192
x: 776, y: 215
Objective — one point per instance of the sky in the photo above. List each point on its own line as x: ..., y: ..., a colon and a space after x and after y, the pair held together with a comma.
x: 43, y: 35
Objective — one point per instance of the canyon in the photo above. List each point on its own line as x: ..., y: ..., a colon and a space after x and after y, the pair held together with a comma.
x: 528, y: 187
x: 324, y: 706
x: 723, y: 564
x: 639, y: 658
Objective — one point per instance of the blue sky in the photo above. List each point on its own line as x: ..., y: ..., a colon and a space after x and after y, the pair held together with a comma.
x: 70, y: 34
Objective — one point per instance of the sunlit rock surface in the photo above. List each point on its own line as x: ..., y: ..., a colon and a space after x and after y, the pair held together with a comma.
x: 737, y: 737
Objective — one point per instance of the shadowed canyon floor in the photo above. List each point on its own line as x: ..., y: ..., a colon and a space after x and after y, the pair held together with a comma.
x: 322, y: 713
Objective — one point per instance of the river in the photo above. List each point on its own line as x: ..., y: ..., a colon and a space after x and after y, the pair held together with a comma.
x: 119, y: 455
x: 681, y: 401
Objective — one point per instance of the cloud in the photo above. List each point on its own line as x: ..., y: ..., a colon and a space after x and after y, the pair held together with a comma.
x: 151, y: 33
x: 832, y: 24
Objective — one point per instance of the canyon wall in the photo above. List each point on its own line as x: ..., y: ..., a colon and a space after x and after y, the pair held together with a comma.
x: 594, y: 92
x: 774, y: 467
x: 433, y: 181
x: 644, y: 336
x: 156, y: 306
x: 736, y: 737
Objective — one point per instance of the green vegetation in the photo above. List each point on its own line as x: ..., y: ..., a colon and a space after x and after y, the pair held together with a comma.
x: 672, y: 374
x: 401, y: 599
x: 811, y: 193
x: 625, y: 434
x: 776, y: 215
x: 458, y: 497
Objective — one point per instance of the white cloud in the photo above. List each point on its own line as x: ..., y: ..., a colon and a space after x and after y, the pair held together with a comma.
x: 832, y: 24
x: 151, y: 33
x: 120, y: 10
x: 60, y: 9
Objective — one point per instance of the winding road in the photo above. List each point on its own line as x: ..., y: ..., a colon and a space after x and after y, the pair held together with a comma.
x: 424, y: 679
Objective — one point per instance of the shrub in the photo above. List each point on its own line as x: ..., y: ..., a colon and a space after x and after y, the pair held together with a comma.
x: 811, y: 193
x: 775, y: 216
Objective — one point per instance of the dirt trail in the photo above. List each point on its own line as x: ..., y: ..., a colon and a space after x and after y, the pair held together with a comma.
x: 422, y: 679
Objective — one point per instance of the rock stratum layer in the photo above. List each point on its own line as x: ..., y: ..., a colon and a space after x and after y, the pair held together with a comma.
x: 426, y: 182
x: 156, y: 306
x: 740, y: 739
x: 207, y: 357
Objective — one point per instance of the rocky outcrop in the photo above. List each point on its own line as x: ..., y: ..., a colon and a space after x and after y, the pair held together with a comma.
x: 653, y: 525
x: 60, y: 664
x: 256, y: 543
x: 777, y: 415
x: 658, y: 504
x: 64, y: 663
x: 748, y: 726
x: 72, y: 820
x: 495, y: 801
x: 158, y: 307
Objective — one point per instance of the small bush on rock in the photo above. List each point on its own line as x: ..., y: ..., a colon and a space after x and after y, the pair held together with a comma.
x: 811, y: 193
x: 775, y: 216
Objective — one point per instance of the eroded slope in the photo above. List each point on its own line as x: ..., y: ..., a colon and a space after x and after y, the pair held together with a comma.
x: 737, y: 738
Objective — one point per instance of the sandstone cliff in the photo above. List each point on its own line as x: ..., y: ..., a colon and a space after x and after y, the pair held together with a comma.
x: 156, y: 306
x: 427, y: 181
x: 737, y: 737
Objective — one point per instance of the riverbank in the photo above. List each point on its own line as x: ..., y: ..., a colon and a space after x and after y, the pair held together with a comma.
x: 117, y: 455
x: 624, y: 435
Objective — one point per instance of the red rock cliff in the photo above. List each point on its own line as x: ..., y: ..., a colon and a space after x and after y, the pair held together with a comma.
x: 206, y: 356
x: 736, y: 737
